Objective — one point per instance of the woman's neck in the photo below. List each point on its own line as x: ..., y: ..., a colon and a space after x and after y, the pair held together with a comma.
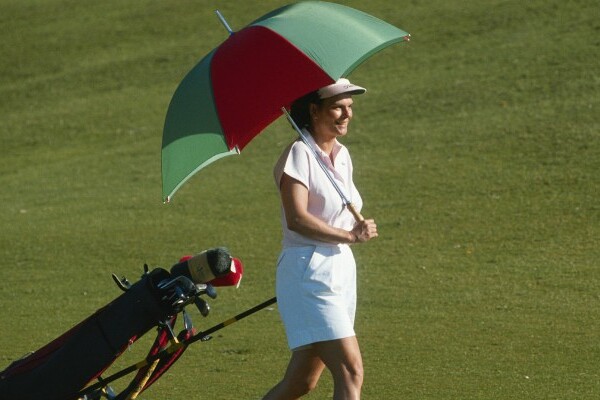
x: 325, y: 143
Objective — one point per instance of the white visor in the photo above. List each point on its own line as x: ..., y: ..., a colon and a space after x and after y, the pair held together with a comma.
x: 342, y: 85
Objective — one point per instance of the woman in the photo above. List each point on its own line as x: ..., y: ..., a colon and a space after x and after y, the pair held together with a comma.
x: 316, y: 272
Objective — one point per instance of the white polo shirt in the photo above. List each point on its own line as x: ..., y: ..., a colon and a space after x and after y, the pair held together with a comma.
x: 324, y: 202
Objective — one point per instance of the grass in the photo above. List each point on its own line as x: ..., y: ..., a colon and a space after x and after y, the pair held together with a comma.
x: 477, y: 150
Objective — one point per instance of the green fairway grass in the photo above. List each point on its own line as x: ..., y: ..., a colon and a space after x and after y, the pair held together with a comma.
x: 476, y: 150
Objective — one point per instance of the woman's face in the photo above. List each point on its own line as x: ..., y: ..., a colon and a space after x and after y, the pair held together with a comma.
x: 330, y: 119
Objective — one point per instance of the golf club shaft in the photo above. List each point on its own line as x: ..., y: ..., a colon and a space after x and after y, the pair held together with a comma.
x: 347, y: 203
x: 202, y: 335
x: 173, y: 348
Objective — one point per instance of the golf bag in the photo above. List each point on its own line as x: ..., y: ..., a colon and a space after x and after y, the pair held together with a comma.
x: 64, y: 367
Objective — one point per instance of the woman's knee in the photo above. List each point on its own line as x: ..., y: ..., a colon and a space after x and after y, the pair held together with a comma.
x: 358, y: 375
x: 308, y: 386
x: 351, y: 372
x: 300, y: 387
x: 303, y: 373
x: 344, y: 360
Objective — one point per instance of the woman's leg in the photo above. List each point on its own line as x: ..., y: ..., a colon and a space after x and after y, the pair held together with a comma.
x: 342, y: 357
x: 302, y: 374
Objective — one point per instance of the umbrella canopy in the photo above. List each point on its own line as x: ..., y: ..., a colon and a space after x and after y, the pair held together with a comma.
x: 240, y: 87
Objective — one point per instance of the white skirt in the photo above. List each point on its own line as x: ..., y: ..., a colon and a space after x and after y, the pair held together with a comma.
x: 316, y: 293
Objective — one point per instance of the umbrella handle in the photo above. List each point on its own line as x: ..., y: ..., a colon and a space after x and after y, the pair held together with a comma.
x: 357, y: 216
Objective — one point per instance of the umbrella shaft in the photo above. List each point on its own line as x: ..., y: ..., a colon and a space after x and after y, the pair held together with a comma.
x: 324, y: 168
x: 345, y: 200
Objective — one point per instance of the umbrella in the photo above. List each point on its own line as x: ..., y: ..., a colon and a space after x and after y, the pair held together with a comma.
x: 246, y: 83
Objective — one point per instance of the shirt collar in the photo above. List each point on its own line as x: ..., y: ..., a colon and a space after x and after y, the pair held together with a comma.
x: 337, y: 146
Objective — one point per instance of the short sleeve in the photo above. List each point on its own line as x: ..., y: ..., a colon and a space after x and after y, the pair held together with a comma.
x: 295, y: 163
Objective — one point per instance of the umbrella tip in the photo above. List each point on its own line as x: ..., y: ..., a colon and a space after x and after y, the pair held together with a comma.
x: 224, y: 22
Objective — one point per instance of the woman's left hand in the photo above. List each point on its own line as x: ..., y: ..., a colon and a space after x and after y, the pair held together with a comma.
x: 365, y: 230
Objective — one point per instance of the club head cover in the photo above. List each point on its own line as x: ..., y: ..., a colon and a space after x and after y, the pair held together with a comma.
x: 232, y: 278
x: 205, y: 266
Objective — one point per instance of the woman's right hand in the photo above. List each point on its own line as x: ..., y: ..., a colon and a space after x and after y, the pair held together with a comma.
x: 365, y: 230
